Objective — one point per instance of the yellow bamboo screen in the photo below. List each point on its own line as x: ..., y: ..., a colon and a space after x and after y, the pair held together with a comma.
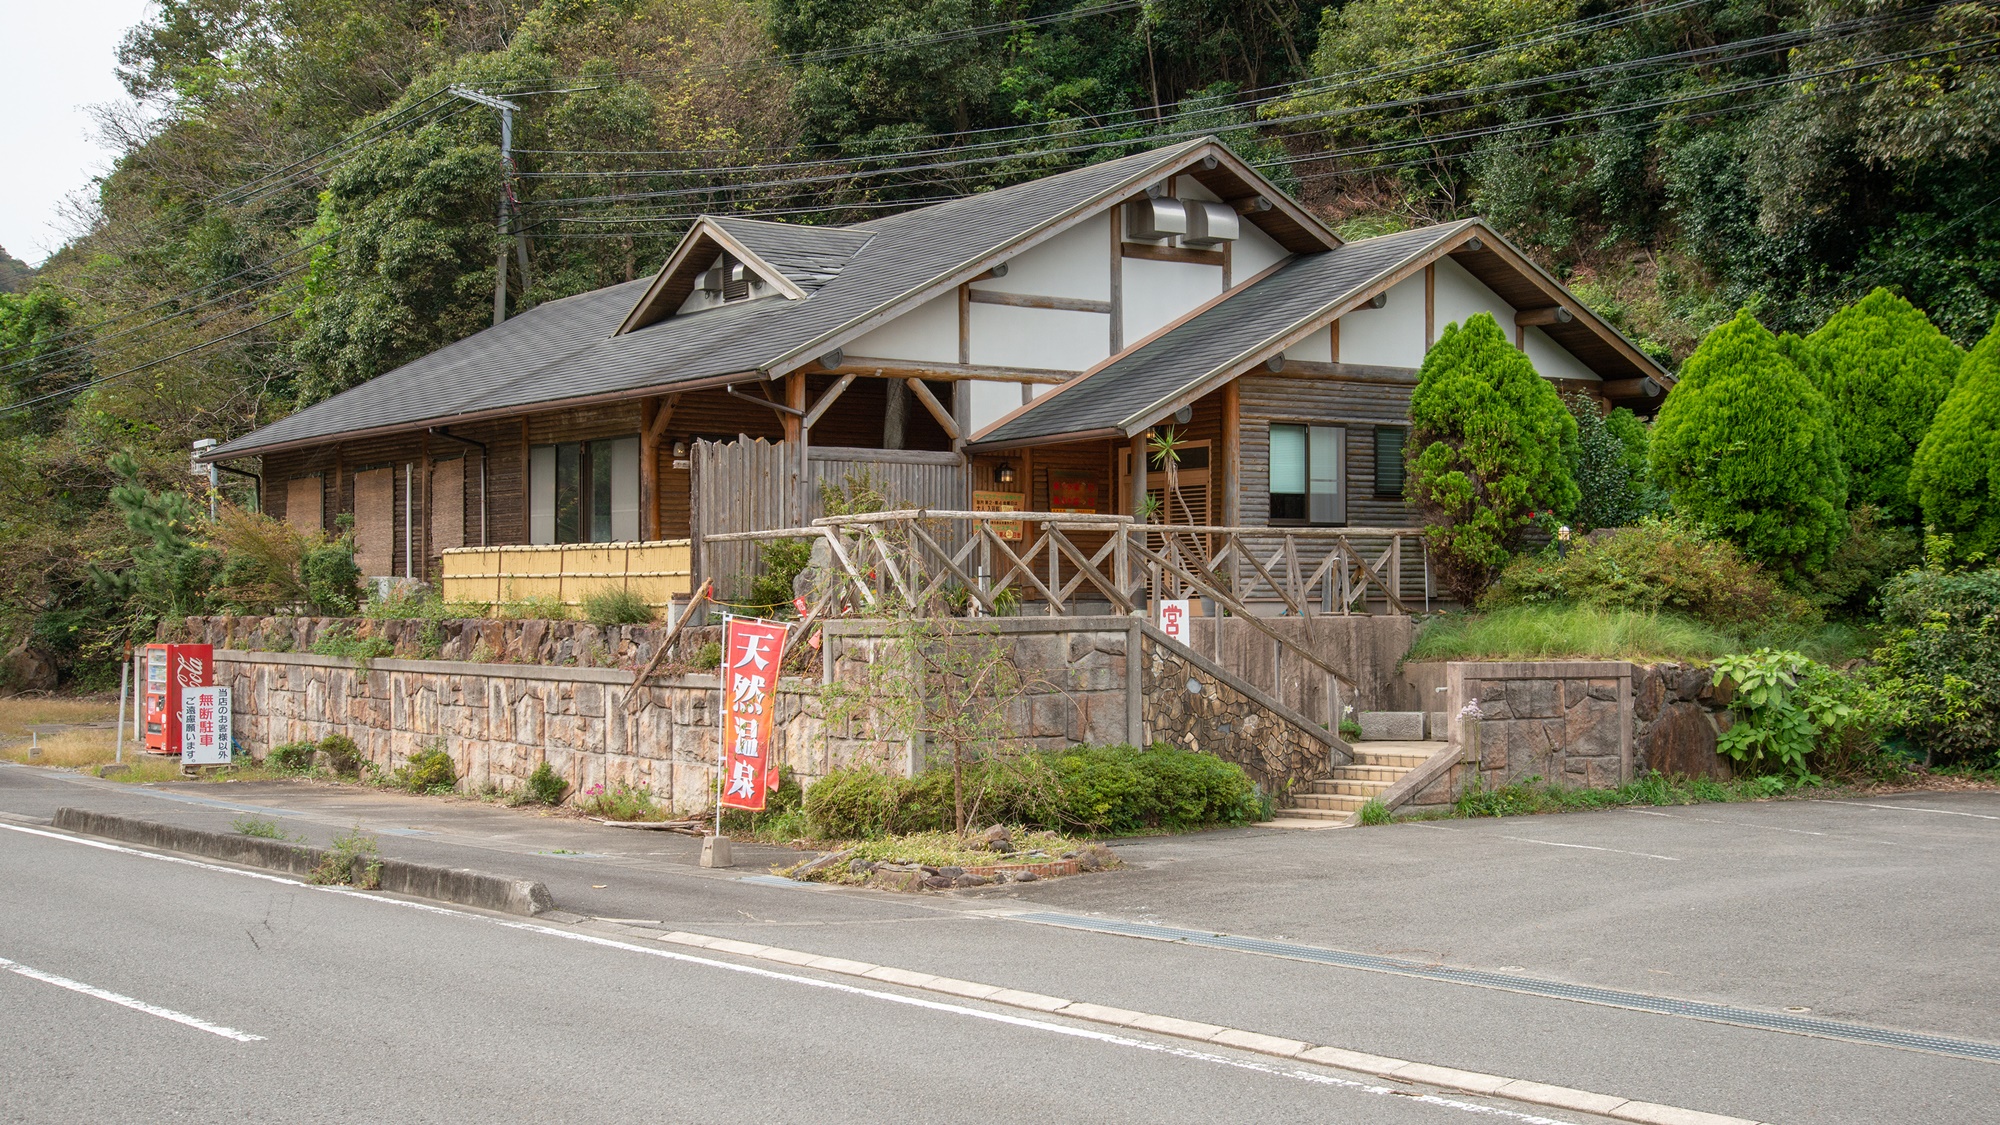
x: 566, y: 572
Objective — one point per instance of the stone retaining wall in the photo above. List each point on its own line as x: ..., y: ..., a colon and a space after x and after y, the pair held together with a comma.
x: 1588, y: 724
x: 500, y: 721
x: 1185, y: 702
x: 565, y: 644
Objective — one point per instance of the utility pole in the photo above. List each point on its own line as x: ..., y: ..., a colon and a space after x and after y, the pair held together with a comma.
x: 506, y: 109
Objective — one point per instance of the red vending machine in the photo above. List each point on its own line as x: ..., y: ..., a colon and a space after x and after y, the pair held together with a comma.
x: 169, y: 668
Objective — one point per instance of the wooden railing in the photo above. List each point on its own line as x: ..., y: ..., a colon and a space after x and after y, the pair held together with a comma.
x: 1065, y: 564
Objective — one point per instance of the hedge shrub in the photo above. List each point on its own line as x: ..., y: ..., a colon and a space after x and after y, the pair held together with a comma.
x: 1115, y: 789
x: 1939, y: 666
x: 1956, y: 474
x: 1658, y: 565
x: 1612, y: 478
x: 1884, y: 369
x: 1747, y: 446
x: 1490, y: 450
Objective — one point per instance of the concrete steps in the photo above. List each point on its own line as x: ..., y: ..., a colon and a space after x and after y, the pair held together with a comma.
x: 1376, y: 766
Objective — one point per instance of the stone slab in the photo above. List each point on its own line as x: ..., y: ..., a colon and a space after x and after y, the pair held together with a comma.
x: 1391, y: 726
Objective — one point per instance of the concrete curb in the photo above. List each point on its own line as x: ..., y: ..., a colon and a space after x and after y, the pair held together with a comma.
x: 1451, y: 1078
x: 459, y: 885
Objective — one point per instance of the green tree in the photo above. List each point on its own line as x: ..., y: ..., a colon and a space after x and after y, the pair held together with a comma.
x: 173, y: 567
x: 1746, y: 445
x: 36, y: 363
x: 1490, y: 451
x: 1610, y: 468
x: 1885, y: 369
x: 1956, y: 474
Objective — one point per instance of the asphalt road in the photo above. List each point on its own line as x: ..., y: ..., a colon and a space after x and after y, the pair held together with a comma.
x: 1880, y: 914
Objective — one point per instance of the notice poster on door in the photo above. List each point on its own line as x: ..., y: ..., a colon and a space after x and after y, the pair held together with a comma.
x: 205, y: 733
x: 750, y: 651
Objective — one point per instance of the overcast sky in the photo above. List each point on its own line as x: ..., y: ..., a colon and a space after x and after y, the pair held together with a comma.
x: 55, y: 62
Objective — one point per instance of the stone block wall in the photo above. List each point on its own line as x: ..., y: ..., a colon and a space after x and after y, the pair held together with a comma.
x: 501, y: 721
x: 1588, y: 724
x: 1187, y: 702
x: 565, y: 644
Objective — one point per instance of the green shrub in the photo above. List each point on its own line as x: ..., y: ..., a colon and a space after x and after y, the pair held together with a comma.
x: 343, y: 757
x: 1118, y: 789
x: 1614, y: 484
x: 1489, y: 454
x: 545, y: 786
x: 1885, y: 369
x: 333, y: 582
x: 1938, y: 669
x: 1375, y: 812
x: 354, y: 860
x: 612, y: 605
x: 707, y: 658
x: 291, y: 757
x: 782, y: 817
x: 771, y: 591
x: 1658, y: 565
x: 340, y: 641
x: 1746, y: 445
x: 1873, y: 553
x: 429, y: 770
x: 1784, y: 705
x: 621, y: 802
x: 1956, y: 473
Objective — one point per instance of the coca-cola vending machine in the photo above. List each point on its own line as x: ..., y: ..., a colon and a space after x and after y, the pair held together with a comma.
x: 169, y: 668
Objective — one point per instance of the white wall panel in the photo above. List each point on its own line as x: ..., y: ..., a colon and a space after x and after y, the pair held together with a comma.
x: 1157, y: 293
x: 1391, y: 336
x: 992, y: 402
x: 1051, y: 339
x: 1316, y: 348
x: 1552, y: 360
x: 1255, y: 252
x: 926, y: 334
x: 1461, y: 296
x: 1075, y: 263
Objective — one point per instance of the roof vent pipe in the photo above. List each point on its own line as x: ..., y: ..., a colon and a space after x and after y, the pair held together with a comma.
x: 1209, y: 224
x: 832, y: 359
x: 1377, y: 301
x: 1155, y: 220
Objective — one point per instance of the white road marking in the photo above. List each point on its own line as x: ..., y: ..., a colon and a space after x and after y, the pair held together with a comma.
x: 1920, y: 808
x: 1591, y: 848
x: 1795, y: 831
x: 126, y: 1001
x: 1315, y: 1078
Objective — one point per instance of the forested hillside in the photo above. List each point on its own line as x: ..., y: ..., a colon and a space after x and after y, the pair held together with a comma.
x: 302, y: 202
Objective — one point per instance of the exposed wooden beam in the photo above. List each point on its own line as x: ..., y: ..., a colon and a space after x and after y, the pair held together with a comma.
x: 1031, y: 301
x: 867, y: 366
x: 965, y: 323
x: 1170, y: 253
x: 1117, y: 258
x: 1647, y: 387
x: 936, y: 408
x: 1430, y: 305
x: 826, y: 400
x: 1250, y: 205
x: 1353, y: 372
x: 780, y: 407
x: 1554, y: 314
x: 663, y: 411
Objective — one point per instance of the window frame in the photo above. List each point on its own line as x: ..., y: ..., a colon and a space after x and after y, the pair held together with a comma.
x: 1337, y: 498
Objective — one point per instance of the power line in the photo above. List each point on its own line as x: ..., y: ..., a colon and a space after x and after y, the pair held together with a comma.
x: 93, y: 384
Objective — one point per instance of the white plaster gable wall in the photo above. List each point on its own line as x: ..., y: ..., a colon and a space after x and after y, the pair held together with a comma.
x: 1552, y: 360
x: 1316, y: 348
x: 1075, y: 263
x: 1046, y: 339
x: 1254, y: 253
x: 1461, y: 296
x: 1391, y: 336
x: 925, y: 334
x: 1158, y: 293
x: 994, y: 401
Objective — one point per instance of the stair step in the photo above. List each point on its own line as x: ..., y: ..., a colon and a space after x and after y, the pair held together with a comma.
x: 1363, y: 789
x: 1300, y: 813
x: 1304, y: 802
x: 1367, y: 773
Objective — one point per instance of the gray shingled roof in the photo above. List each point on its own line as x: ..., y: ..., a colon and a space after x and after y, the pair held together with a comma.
x: 565, y: 349
x: 809, y: 256
x: 1134, y: 388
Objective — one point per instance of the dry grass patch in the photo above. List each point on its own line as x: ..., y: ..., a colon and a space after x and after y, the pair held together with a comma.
x: 71, y: 749
x: 21, y: 712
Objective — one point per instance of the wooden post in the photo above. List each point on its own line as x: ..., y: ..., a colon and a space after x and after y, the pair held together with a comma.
x: 1430, y: 306
x: 1138, y: 476
x: 424, y: 506
x: 1117, y: 213
x: 1232, y: 454
x: 795, y: 397
x: 965, y: 323
x: 527, y: 492
x: 649, y: 470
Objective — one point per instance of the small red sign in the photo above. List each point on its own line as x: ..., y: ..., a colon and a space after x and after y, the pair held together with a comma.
x: 750, y: 648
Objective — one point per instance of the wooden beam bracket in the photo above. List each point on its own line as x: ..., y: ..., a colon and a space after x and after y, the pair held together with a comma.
x: 936, y: 408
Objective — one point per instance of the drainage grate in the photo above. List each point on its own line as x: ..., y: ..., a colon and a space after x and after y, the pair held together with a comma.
x: 1556, y: 990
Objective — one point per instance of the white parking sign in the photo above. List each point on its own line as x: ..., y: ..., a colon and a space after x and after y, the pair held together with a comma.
x: 205, y: 726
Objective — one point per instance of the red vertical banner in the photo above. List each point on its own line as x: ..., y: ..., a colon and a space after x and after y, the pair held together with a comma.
x: 750, y: 649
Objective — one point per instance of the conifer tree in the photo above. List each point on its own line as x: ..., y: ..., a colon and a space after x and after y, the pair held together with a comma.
x: 1956, y: 475
x: 1884, y: 369
x: 1490, y: 450
x: 1746, y: 445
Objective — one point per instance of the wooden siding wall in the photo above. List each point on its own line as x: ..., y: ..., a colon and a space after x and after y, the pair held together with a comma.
x: 1358, y: 405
